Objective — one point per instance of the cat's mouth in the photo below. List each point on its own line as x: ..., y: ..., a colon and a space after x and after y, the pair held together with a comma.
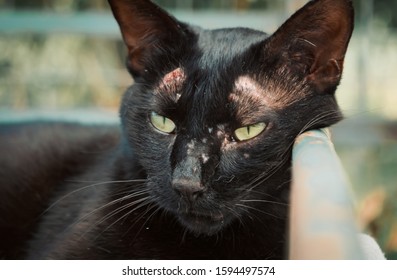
x: 202, y: 223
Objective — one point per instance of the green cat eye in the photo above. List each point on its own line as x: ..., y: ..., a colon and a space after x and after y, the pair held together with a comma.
x: 249, y: 131
x: 162, y: 123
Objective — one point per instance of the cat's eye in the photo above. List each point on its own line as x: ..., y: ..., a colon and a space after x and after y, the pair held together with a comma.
x: 162, y: 123
x: 249, y: 131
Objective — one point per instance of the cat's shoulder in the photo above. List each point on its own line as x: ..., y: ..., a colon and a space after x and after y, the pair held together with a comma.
x: 61, y: 136
x: 45, y: 151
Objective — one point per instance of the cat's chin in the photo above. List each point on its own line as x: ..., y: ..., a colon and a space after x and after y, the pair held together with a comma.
x: 202, y: 224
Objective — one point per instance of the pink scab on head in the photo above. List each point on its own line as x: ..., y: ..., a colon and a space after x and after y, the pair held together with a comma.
x: 172, y: 81
x: 175, y: 75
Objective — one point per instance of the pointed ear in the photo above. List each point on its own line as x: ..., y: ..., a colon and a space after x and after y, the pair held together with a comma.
x: 146, y: 29
x: 314, y: 41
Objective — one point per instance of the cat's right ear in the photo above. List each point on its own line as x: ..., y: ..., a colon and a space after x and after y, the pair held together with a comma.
x: 147, y: 31
x: 314, y: 40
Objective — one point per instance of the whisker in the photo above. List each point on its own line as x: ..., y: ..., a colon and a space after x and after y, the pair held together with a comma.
x: 84, y: 188
x: 145, y: 202
x: 129, y: 189
x: 263, y: 193
x: 236, y: 214
x: 115, y: 201
x: 141, y: 216
x: 95, y: 181
x: 148, y: 218
x: 120, y: 209
x: 265, y: 201
x: 261, y: 211
x: 319, y: 118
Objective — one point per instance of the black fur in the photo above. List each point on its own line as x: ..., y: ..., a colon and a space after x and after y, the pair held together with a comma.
x: 69, y: 191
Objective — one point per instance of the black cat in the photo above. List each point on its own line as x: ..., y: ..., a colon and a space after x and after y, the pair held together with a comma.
x: 200, y: 168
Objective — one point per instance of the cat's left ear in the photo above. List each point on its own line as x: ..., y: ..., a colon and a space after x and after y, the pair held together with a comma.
x: 148, y: 31
x: 314, y: 41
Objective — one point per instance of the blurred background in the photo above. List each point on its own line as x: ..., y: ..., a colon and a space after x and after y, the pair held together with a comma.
x: 64, y: 59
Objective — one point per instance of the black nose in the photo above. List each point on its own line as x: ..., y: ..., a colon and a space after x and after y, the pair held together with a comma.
x: 186, y: 179
x: 190, y: 190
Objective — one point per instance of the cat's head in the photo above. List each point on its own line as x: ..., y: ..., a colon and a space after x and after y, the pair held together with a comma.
x: 212, y: 114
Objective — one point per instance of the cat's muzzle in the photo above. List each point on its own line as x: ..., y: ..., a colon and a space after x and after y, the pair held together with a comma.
x: 207, y: 223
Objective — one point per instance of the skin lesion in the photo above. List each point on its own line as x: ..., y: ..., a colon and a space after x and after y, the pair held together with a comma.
x: 173, y: 81
x: 248, y: 98
x: 271, y: 95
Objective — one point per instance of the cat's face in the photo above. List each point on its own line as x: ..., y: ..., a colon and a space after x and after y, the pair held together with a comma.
x: 212, y: 115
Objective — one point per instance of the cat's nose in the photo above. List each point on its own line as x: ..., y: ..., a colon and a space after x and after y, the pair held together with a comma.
x: 186, y: 179
x: 188, y: 189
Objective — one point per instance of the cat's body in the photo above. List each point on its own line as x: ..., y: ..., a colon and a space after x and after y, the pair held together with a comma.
x: 201, y: 165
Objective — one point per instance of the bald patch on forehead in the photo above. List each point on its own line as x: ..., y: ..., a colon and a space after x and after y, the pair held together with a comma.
x: 272, y: 95
x: 172, y: 82
x: 247, y: 100
x: 246, y: 85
